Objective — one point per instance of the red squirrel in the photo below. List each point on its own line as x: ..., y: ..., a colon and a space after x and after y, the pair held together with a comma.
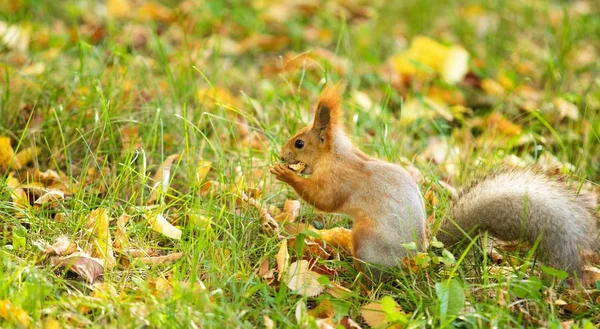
x: 388, y: 209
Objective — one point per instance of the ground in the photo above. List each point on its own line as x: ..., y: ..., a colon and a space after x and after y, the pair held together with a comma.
x: 136, y: 138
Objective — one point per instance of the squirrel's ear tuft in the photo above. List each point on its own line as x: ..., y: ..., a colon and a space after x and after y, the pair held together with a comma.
x: 328, y: 113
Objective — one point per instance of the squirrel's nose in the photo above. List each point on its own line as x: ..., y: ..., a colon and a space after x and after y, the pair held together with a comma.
x: 282, y: 159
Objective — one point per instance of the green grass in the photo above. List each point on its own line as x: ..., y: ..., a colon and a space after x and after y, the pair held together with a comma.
x: 95, y: 84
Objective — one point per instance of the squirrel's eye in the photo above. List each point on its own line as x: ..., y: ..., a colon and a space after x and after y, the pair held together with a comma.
x: 299, y: 144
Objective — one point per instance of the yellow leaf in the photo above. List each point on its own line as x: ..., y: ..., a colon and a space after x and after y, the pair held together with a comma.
x: 6, y: 152
x: 159, y: 224
x: 426, y: 56
x: 121, y: 238
x: 217, y: 96
x: 152, y: 11
x: 118, y: 8
x: 203, y: 170
x: 282, y: 258
x: 324, y: 310
x: 492, y: 87
x: 98, y: 221
x: 302, y: 280
x: 338, y: 237
x: 373, y: 314
x: 14, y: 314
x: 51, y: 323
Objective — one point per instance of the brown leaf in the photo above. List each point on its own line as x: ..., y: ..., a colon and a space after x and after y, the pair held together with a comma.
x: 81, y: 263
x: 160, y: 259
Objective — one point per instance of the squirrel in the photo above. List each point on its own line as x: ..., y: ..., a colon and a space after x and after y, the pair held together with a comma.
x: 388, y: 209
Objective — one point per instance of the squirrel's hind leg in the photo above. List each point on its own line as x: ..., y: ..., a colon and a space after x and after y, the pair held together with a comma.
x: 373, y: 249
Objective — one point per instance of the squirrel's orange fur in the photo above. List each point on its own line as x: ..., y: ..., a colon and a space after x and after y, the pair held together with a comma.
x: 388, y: 209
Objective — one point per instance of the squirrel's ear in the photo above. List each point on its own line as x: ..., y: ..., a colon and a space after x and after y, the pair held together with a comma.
x: 328, y: 112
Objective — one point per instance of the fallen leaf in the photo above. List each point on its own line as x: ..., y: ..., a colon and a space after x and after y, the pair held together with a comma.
x: 159, y: 224
x: 118, y: 8
x: 372, y: 313
x: 62, y: 247
x: 152, y: 11
x: 50, y: 197
x: 269, y: 323
x: 51, y: 323
x: 14, y: 314
x: 324, y: 310
x: 203, y: 170
x: 300, y: 279
x: 338, y: 237
x: 590, y: 275
x: 160, y: 287
x: 162, y: 178
x: 348, y: 323
x: 566, y: 109
x: 291, y: 210
x: 426, y: 56
x: 156, y: 260
x: 81, y: 263
x: 97, y: 224
x: 282, y: 258
x: 121, y: 238
x: 492, y: 87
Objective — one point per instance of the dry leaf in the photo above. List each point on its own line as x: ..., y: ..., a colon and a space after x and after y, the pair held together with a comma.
x: 373, y: 314
x: 62, y: 247
x: 118, y: 8
x: 203, y: 170
x: 121, y: 238
x: 566, y: 109
x: 156, y: 260
x: 49, y: 197
x: 338, y: 237
x: 590, y: 275
x: 152, y: 11
x: 14, y: 314
x: 282, y: 258
x: 269, y: 323
x: 81, y: 263
x: 324, y: 310
x: 162, y: 177
x: 291, y: 210
x: 159, y: 224
x: 51, y: 323
x: 97, y: 224
x: 492, y: 87
x: 300, y: 279
x: 426, y: 56
x: 348, y: 323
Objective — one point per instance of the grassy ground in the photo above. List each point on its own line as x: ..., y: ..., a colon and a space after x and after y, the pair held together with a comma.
x: 108, y: 92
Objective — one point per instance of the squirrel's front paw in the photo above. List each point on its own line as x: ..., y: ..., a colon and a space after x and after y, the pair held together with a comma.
x: 283, y: 173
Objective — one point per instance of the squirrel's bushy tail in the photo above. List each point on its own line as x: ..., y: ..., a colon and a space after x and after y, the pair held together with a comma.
x: 514, y: 204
